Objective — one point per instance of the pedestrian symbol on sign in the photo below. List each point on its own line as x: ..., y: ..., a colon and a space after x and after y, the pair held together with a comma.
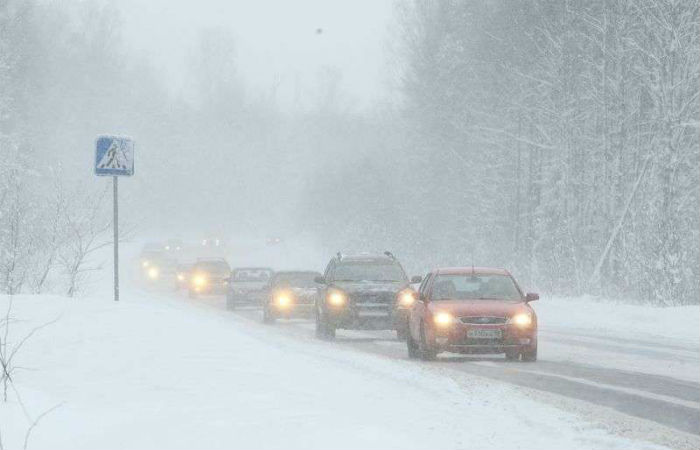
x: 114, y: 156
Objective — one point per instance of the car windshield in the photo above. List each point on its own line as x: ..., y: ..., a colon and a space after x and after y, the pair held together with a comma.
x: 369, y: 271
x: 214, y: 266
x: 252, y: 275
x: 475, y: 287
x: 296, y: 279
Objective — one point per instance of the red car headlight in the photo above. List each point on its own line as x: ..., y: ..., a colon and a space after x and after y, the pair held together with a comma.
x: 521, y: 320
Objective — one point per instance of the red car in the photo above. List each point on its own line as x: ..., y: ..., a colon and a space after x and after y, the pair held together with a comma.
x: 472, y: 310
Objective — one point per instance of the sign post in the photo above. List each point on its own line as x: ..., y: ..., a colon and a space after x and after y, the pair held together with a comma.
x: 115, y: 229
x: 114, y: 156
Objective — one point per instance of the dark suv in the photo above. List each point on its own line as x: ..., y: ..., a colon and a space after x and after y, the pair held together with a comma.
x: 364, y: 292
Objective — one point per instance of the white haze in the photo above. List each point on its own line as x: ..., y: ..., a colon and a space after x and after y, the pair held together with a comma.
x: 560, y: 142
x: 277, y: 41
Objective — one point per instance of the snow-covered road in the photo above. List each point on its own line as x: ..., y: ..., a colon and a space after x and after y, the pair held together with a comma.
x: 162, y: 371
x: 593, y: 370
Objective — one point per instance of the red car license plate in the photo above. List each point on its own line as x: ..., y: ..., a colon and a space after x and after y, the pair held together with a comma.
x: 484, y: 334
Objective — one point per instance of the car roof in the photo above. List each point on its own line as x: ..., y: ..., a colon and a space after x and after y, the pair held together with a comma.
x: 252, y: 268
x: 469, y: 270
x: 292, y: 272
x: 366, y: 258
x: 211, y: 261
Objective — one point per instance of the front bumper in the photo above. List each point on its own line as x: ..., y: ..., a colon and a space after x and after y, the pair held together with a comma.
x: 368, y: 317
x: 211, y: 288
x: 457, y: 340
x: 245, y: 297
x: 295, y: 310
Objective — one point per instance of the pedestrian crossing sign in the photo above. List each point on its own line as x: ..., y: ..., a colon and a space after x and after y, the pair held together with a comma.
x: 114, y: 156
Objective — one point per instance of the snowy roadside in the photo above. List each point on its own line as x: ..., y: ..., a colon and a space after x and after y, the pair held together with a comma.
x: 621, y: 336
x: 678, y: 324
x: 157, y: 373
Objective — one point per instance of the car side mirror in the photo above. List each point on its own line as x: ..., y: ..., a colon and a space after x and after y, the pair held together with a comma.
x: 531, y: 297
x: 416, y: 279
x: 319, y: 280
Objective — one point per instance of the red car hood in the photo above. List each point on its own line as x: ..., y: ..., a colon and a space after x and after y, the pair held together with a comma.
x: 493, y: 308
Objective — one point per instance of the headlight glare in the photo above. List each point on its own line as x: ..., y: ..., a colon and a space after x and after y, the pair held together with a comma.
x: 283, y: 300
x: 153, y: 273
x: 443, y: 319
x: 407, y: 298
x: 336, y: 298
x: 521, y: 320
x: 199, y: 280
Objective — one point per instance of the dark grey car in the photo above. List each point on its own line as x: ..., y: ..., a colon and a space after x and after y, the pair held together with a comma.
x: 292, y: 294
x: 363, y: 292
x: 248, y: 286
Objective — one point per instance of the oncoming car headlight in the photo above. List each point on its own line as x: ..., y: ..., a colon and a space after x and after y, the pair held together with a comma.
x: 283, y: 300
x: 336, y: 298
x: 521, y: 320
x: 145, y: 264
x: 181, y: 277
x: 153, y: 273
x: 443, y: 319
x: 199, y: 280
x: 407, y: 297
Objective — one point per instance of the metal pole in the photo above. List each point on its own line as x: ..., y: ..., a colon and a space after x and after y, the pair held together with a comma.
x: 115, y: 227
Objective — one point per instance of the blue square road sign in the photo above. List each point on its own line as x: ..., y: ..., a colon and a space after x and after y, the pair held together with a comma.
x: 114, y: 156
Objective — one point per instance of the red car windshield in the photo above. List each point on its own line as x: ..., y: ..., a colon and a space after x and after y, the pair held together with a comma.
x: 475, y: 287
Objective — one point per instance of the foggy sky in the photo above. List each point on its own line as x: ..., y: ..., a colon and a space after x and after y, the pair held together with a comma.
x: 274, y: 38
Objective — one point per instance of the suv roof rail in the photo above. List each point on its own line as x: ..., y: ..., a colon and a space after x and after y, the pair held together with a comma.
x: 389, y: 254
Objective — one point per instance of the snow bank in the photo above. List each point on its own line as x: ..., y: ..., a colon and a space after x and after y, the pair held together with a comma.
x: 164, y: 373
x: 606, y: 317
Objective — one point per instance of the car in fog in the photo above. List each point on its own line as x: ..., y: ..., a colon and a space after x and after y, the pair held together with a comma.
x: 248, y: 286
x: 273, y: 240
x: 209, y: 276
x: 472, y: 310
x: 363, y: 292
x: 291, y: 294
x: 155, y: 268
x: 183, y: 272
x: 174, y: 246
x: 149, y: 253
